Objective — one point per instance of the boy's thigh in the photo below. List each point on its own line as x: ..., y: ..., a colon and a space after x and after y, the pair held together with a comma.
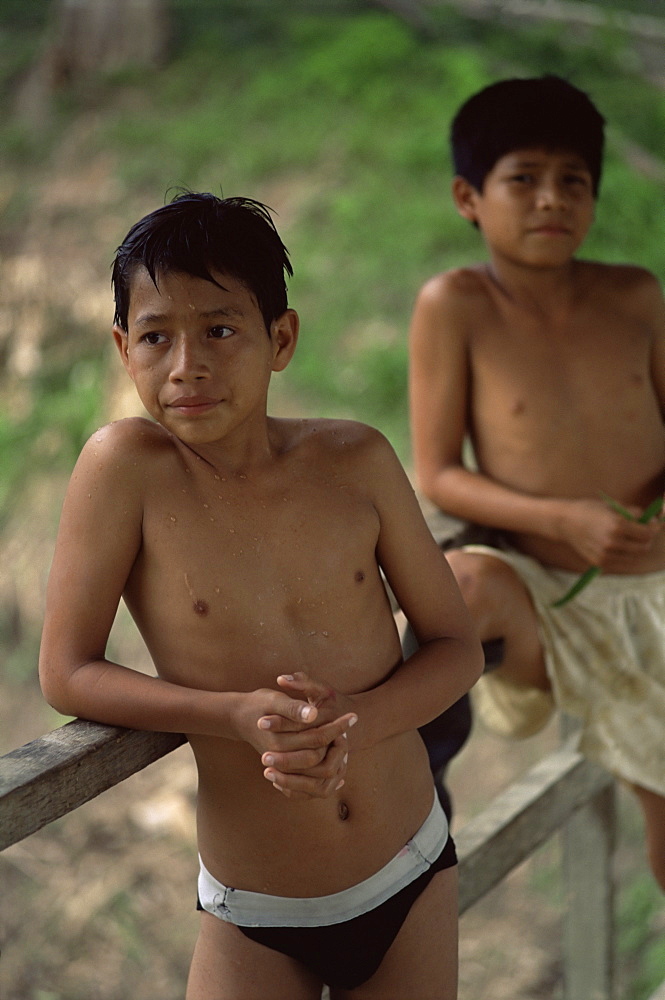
x: 422, y: 960
x: 227, y: 965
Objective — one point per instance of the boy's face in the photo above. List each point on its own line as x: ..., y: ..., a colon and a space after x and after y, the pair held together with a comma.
x: 535, y: 208
x: 200, y: 355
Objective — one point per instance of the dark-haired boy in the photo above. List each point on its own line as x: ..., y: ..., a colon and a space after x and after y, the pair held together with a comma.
x: 555, y: 369
x: 248, y: 550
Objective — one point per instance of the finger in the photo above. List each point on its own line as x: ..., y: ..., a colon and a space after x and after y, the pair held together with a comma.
x: 295, y: 760
x: 325, y: 763
x: 303, y: 786
x: 292, y: 738
x: 293, y: 715
x: 314, y: 691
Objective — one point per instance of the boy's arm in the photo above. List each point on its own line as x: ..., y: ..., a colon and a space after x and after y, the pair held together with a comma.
x: 439, y: 382
x: 450, y: 658
x: 98, y: 541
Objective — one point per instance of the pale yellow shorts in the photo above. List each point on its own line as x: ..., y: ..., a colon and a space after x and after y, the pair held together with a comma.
x: 605, y: 657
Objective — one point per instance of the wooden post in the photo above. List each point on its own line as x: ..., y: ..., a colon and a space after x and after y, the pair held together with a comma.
x: 588, y: 937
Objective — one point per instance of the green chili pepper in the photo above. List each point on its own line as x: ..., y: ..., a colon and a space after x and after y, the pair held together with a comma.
x: 581, y: 582
x: 654, y: 509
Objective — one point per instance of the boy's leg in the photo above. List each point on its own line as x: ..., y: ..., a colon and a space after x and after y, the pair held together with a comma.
x: 227, y: 965
x: 422, y: 960
x: 653, y: 807
x: 501, y: 608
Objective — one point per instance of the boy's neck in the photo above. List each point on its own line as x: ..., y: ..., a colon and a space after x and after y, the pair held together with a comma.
x: 541, y: 287
x: 239, y: 459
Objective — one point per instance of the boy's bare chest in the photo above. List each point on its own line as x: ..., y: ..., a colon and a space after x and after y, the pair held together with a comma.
x: 223, y: 547
x: 581, y: 372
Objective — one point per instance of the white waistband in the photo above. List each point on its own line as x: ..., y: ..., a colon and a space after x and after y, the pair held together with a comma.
x: 255, y: 909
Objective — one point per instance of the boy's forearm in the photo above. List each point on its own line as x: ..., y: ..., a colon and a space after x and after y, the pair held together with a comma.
x: 423, y: 687
x: 475, y: 497
x: 106, y: 692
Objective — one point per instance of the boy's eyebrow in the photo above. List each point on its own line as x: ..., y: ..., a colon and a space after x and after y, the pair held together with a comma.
x: 224, y: 312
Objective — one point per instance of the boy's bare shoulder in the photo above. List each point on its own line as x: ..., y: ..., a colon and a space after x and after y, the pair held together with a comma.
x: 335, y: 437
x: 120, y: 444
x: 620, y: 281
x: 456, y: 301
x: 457, y: 285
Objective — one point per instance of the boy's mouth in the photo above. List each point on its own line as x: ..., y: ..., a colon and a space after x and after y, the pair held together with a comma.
x: 189, y: 405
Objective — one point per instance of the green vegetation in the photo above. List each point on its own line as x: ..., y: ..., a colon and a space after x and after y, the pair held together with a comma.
x: 348, y: 110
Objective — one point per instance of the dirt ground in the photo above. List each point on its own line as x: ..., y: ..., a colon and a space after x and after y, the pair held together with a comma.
x: 100, y: 905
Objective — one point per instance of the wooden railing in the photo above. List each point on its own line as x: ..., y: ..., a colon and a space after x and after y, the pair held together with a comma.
x: 56, y: 773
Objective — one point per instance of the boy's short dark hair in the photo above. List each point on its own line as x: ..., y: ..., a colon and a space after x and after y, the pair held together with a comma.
x: 197, y: 233
x: 543, y: 112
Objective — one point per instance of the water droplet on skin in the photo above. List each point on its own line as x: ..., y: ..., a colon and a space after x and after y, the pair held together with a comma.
x: 206, y: 506
x: 232, y: 531
x: 173, y: 518
x: 216, y: 590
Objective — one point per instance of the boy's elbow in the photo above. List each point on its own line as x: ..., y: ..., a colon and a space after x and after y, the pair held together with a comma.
x: 54, y: 690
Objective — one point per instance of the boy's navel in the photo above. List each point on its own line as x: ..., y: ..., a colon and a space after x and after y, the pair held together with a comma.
x: 199, y: 606
x: 343, y: 810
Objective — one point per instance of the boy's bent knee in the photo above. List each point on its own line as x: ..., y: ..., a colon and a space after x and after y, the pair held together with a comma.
x: 482, y: 579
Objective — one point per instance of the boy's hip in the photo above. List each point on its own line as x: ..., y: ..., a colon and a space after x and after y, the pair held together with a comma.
x: 254, y: 909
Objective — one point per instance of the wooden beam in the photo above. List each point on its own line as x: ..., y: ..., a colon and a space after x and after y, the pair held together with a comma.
x: 523, y: 817
x: 53, y: 775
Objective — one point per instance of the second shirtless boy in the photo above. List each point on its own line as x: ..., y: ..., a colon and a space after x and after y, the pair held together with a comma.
x: 249, y: 551
x: 555, y: 368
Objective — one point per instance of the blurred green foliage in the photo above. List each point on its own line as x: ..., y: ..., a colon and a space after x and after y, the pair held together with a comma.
x: 348, y: 107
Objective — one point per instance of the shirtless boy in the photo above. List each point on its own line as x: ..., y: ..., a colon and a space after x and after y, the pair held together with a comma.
x: 555, y: 368
x: 249, y: 550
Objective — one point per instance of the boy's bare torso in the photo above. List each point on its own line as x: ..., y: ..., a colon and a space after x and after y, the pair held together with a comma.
x: 242, y: 577
x: 562, y: 403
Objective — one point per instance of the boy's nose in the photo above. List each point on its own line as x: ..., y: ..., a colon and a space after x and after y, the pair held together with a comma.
x: 552, y: 195
x: 188, y: 362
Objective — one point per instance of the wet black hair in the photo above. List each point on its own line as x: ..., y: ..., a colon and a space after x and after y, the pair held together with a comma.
x: 543, y: 112
x: 197, y: 233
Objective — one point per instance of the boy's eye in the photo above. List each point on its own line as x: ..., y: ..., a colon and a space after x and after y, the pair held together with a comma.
x: 576, y: 179
x: 152, y: 338
x: 220, y: 332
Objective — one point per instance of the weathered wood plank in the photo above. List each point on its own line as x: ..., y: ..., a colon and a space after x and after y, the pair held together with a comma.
x: 521, y: 818
x: 53, y: 775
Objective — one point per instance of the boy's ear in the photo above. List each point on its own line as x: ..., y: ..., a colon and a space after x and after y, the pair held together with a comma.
x: 284, y: 337
x: 466, y: 198
x: 121, y: 341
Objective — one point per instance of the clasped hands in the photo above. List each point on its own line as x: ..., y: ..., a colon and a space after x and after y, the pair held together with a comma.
x: 303, y: 742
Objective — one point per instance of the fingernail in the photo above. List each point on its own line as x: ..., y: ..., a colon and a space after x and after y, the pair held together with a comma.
x: 285, y: 677
x: 353, y: 720
x: 268, y: 759
x: 306, y: 712
x: 264, y: 723
x: 340, y: 785
x: 346, y: 758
